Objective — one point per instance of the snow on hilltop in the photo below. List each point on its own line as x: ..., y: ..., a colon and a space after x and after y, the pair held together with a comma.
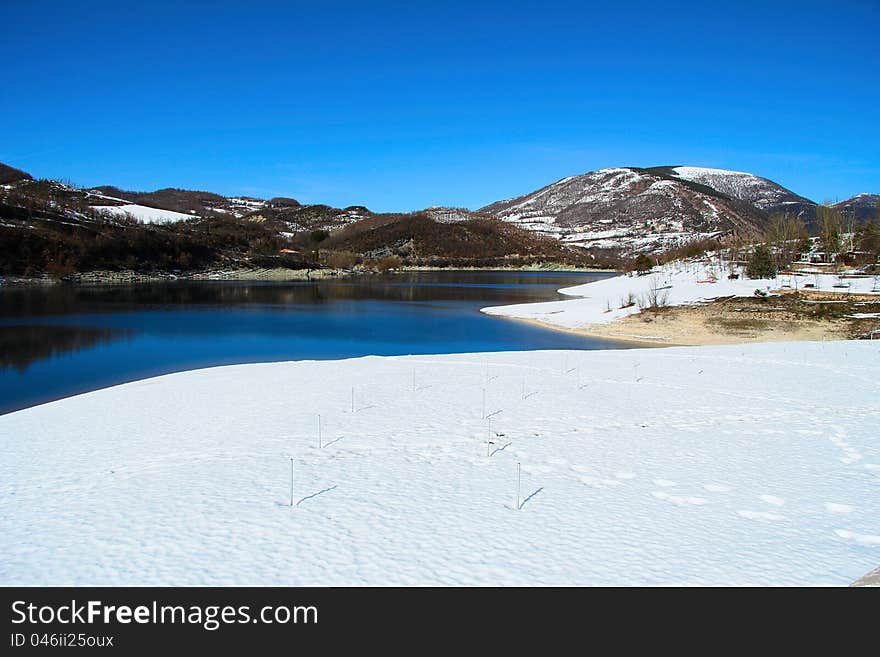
x: 760, y: 192
x: 651, y: 209
x: 752, y: 464
x: 645, y: 210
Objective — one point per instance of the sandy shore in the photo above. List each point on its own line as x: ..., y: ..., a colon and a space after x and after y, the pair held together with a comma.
x: 725, y: 321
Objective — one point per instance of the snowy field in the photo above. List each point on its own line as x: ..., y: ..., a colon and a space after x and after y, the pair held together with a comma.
x: 755, y: 464
x: 678, y: 284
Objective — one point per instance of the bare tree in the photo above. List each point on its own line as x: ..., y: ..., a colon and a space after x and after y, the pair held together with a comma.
x: 786, y: 236
x: 830, y: 224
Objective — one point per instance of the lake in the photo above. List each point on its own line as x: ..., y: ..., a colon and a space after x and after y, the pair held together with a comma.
x: 63, y: 340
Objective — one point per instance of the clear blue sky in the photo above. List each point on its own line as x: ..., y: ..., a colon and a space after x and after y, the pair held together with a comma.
x: 402, y: 105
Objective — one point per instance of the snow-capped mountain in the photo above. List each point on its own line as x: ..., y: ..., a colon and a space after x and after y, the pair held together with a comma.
x: 653, y: 209
x: 634, y: 208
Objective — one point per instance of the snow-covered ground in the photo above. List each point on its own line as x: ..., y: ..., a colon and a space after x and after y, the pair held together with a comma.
x: 676, y: 284
x: 755, y: 464
x: 142, y: 212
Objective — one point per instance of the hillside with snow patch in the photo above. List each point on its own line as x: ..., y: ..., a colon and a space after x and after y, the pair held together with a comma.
x: 636, y: 209
x: 142, y: 213
x: 657, y: 208
x: 760, y: 192
x: 860, y: 207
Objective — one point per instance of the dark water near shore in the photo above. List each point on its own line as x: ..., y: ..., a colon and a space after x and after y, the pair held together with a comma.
x: 64, y: 340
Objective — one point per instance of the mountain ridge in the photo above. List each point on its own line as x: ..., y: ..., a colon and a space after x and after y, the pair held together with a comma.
x: 629, y: 209
x: 653, y: 209
x: 50, y: 229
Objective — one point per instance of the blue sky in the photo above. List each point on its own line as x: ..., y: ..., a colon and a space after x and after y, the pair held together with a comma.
x: 402, y: 105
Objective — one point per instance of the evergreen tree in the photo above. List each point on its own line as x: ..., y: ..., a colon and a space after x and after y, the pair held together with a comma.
x: 761, y: 264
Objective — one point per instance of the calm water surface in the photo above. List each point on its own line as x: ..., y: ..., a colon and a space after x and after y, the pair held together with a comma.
x: 64, y: 340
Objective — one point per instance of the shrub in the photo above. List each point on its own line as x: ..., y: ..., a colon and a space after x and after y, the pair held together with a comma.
x: 340, y: 259
x: 654, y: 299
x: 387, y: 263
x: 643, y: 264
x: 318, y: 236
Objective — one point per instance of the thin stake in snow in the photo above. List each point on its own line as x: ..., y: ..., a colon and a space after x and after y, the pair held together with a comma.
x: 518, y: 482
x: 291, y: 481
x: 352, y: 399
x: 320, y: 439
x: 484, y: 403
x: 486, y: 376
x: 525, y: 390
x: 488, y: 435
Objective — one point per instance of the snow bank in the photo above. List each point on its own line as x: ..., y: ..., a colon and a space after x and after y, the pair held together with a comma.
x: 755, y: 464
x: 678, y: 284
x: 142, y: 212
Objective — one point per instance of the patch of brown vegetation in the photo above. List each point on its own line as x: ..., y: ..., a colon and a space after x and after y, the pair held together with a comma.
x: 734, y: 320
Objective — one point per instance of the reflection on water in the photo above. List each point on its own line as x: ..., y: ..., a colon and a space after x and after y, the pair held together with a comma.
x: 22, y: 345
x: 504, y: 287
x: 63, y: 340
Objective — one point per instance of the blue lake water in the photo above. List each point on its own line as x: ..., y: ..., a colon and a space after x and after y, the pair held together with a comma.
x: 64, y: 340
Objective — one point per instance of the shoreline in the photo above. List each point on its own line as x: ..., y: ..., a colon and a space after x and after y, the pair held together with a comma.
x: 695, y: 326
x: 591, y: 332
x: 690, y: 304
x: 524, y: 268
x: 106, y: 277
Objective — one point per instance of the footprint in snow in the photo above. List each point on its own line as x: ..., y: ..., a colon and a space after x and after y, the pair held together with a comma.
x: 760, y: 515
x: 861, y: 539
x: 625, y: 475
x: 772, y: 499
x: 536, y: 469
x: 679, y: 499
x: 717, y: 488
x: 833, y: 507
x: 664, y: 482
x: 597, y: 482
